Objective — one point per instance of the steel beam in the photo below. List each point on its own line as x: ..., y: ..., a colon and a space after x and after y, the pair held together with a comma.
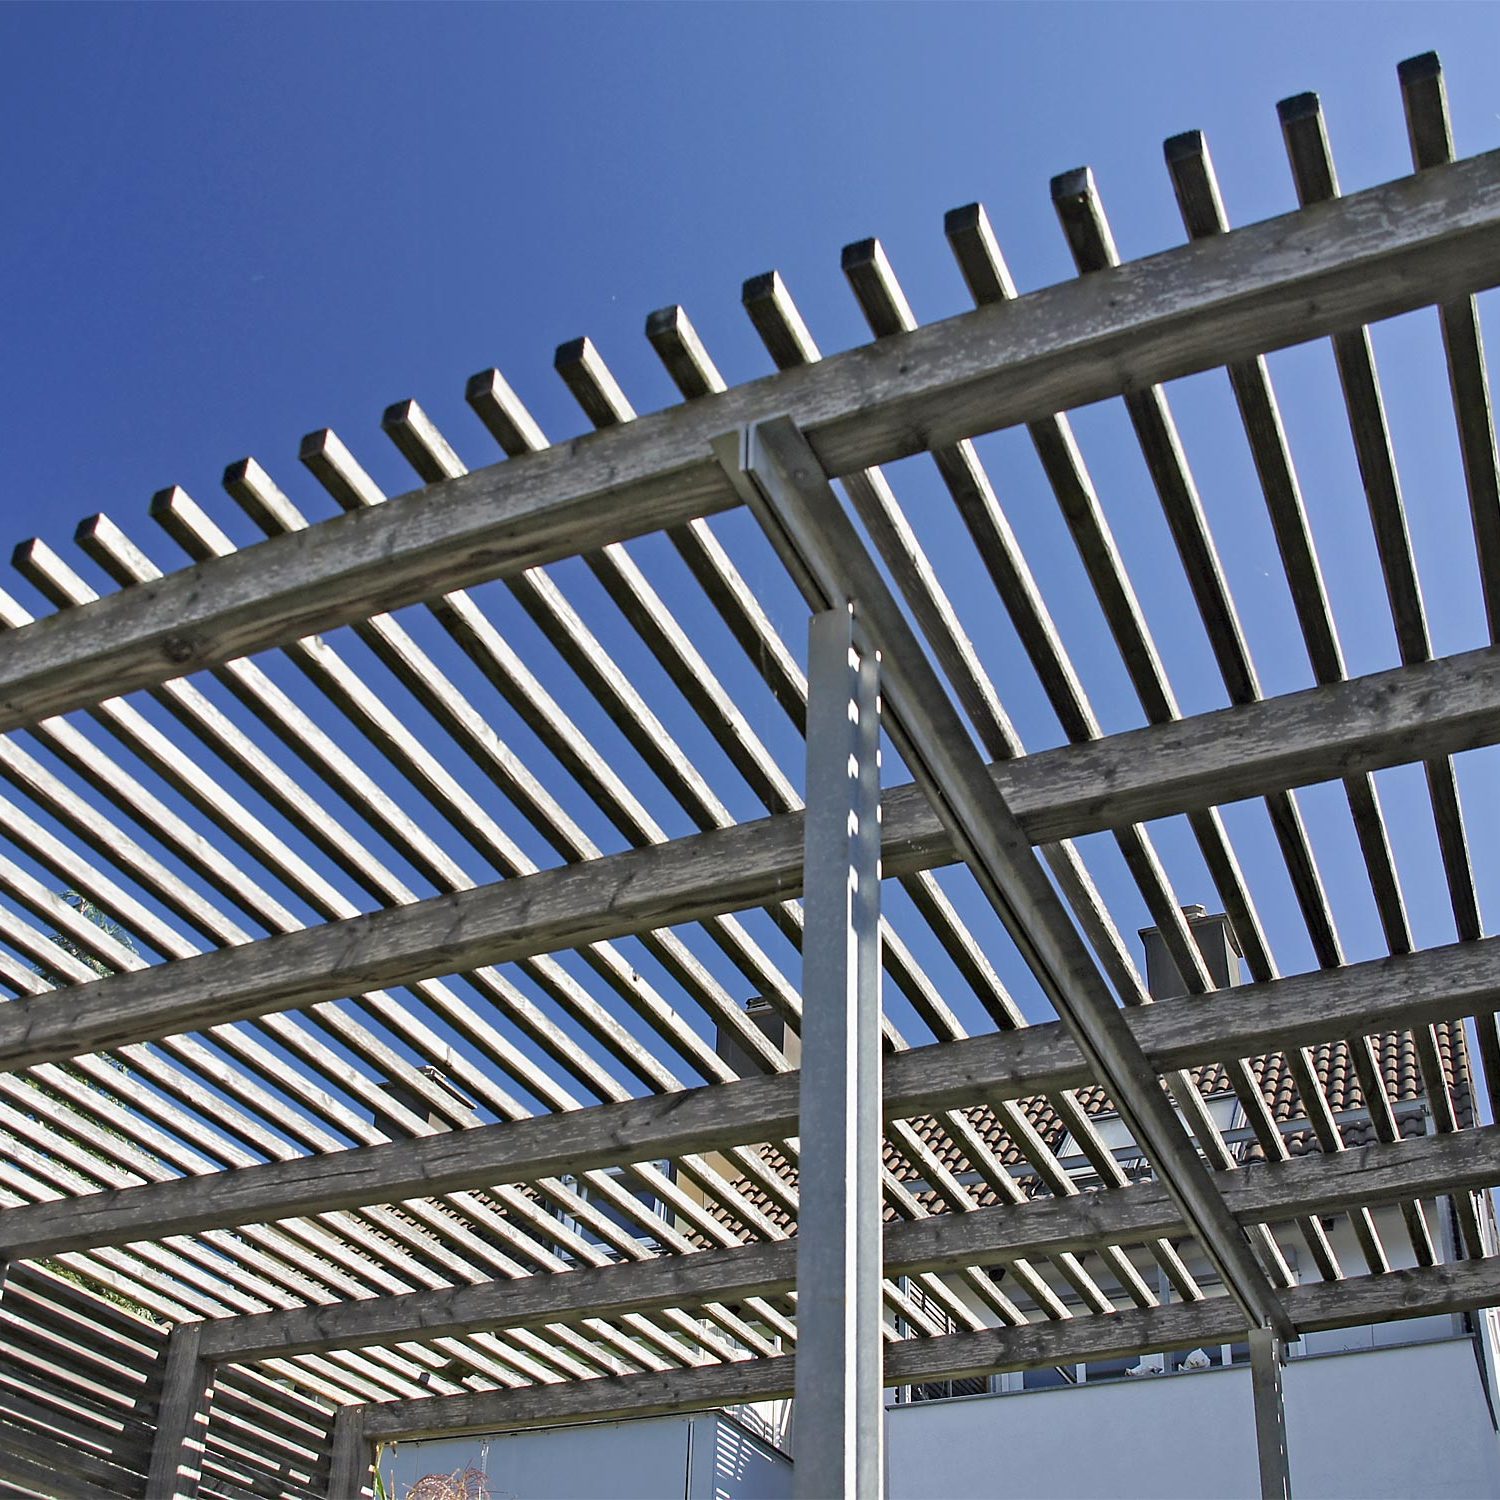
x: 840, y: 1420
x: 1267, y: 1355
x: 782, y: 480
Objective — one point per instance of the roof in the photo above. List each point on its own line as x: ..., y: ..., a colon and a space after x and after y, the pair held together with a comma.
x: 1395, y: 1052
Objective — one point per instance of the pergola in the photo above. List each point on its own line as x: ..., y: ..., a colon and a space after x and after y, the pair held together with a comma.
x: 412, y: 1078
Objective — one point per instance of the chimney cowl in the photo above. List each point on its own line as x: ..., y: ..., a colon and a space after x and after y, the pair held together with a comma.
x: 1213, y: 933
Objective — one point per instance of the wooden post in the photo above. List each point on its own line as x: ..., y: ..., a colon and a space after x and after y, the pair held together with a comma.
x: 839, y: 1447
x: 351, y: 1458
x: 1267, y: 1353
x: 181, y: 1417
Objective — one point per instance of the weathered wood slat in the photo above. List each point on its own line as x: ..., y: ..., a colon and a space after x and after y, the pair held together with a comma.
x: 1081, y: 212
x: 1086, y: 1222
x: 1437, y: 984
x: 1389, y: 718
x: 888, y: 313
x: 790, y: 344
x: 1400, y: 1294
x: 1432, y: 237
x: 1203, y: 214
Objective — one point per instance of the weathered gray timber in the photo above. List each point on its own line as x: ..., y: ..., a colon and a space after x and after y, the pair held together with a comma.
x: 1453, y: 1287
x: 1428, y: 238
x: 182, y: 1417
x: 350, y: 1461
x: 1309, y: 1184
x: 824, y: 553
x: 1435, y: 984
x: 295, y: 1152
x: 1322, y: 733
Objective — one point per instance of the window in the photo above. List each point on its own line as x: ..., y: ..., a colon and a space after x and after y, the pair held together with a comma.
x: 1223, y: 1109
x: 577, y: 1222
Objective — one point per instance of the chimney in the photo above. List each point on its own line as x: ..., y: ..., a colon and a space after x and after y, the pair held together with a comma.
x: 1216, y: 942
x: 416, y: 1101
x: 773, y: 1026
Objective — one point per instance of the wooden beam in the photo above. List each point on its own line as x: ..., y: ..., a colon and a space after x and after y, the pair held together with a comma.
x: 349, y: 1459
x: 1437, y: 984
x: 1452, y: 1287
x: 1431, y: 237
x: 1422, y: 1167
x: 1410, y: 713
x: 822, y: 549
x: 182, y: 1416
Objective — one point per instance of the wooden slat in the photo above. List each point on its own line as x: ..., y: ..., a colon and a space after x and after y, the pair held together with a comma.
x: 1435, y: 984
x: 1081, y: 213
x: 1399, y: 1294
x: 1303, y: 1185
x: 606, y: 403
x: 1203, y: 214
x: 1432, y: 237
x: 1389, y: 718
x: 889, y: 314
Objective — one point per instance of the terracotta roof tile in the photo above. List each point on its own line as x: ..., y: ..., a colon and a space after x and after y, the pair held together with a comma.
x: 1395, y: 1058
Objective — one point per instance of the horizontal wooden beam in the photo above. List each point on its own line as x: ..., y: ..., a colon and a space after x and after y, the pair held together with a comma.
x: 1377, y: 1173
x: 1437, y: 984
x: 1430, y: 238
x: 1405, y: 715
x: 1454, y: 1287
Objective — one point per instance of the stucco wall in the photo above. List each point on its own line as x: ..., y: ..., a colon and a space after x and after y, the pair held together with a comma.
x: 1384, y: 1424
x: 706, y: 1457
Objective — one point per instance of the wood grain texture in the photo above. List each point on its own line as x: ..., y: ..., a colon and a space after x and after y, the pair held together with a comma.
x: 1453, y: 1287
x: 945, y: 1242
x: 187, y: 1388
x: 1428, y: 238
x: 1394, y: 717
x: 1436, y: 984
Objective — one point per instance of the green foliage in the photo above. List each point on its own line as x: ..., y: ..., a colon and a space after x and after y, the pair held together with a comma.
x: 103, y: 921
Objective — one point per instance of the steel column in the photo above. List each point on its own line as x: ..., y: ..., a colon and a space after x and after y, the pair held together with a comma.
x: 840, y: 1416
x: 1267, y: 1354
x: 783, y: 481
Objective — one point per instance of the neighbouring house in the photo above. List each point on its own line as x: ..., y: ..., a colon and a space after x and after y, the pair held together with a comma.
x: 1369, y: 1408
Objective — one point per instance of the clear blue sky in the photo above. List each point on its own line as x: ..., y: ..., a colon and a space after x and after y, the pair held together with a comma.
x: 227, y: 225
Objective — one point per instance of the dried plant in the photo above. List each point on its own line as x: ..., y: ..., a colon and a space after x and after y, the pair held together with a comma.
x: 467, y: 1483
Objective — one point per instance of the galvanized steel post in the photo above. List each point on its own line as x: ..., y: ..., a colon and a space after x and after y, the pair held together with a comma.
x: 839, y: 1411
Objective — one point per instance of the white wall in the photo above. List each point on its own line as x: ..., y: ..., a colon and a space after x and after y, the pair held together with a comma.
x: 1386, y: 1424
x: 705, y: 1457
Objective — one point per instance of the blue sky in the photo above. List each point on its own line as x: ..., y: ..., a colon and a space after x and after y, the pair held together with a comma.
x: 229, y: 225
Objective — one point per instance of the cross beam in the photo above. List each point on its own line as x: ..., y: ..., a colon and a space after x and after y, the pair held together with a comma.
x: 1431, y: 237
x: 1453, y: 1287
x: 1437, y: 984
x: 1270, y: 1193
